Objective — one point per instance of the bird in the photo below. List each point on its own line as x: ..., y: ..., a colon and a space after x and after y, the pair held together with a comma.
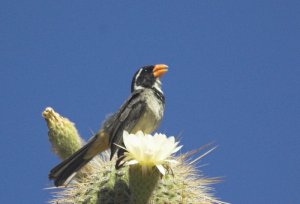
x: 142, y: 111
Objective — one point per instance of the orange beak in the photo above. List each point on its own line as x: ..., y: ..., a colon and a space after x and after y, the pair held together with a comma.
x: 159, y: 70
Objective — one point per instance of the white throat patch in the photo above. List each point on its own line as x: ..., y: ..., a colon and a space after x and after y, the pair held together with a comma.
x: 157, y: 85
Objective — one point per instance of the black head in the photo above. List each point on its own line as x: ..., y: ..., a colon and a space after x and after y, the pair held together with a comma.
x: 148, y: 77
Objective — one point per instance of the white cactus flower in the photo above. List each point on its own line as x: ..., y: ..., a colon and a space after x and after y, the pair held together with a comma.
x: 149, y: 151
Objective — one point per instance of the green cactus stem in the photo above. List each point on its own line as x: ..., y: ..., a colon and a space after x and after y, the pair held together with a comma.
x: 62, y: 134
x: 142, y: 184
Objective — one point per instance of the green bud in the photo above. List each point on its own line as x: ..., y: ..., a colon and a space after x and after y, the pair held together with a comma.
x: 62, y: 134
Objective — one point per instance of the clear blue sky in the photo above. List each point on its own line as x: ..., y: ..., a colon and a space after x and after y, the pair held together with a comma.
x: 234, y: 79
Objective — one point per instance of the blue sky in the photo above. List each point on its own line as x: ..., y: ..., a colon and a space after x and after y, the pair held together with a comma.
x: 234, y: 79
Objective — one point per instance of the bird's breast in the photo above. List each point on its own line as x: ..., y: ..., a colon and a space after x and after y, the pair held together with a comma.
x: 152, y: 116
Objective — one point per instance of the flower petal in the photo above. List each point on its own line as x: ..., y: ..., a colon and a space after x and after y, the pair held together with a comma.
x: 161, y: 169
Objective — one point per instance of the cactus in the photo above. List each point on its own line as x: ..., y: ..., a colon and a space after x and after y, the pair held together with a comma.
x: 62, y: 134
x: 103, y: 184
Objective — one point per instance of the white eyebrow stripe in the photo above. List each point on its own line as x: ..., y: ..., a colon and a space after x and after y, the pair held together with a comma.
x: 137, y: 76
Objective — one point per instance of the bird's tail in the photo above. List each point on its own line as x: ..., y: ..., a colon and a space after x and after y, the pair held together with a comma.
x: 75, y: 162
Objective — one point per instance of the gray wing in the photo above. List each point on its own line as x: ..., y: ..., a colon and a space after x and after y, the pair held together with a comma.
x: 125, y: 119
